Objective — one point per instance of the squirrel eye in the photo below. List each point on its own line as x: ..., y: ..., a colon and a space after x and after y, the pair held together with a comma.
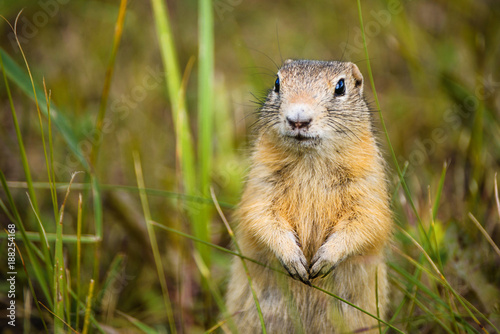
x: 340, y: 88
x: 277, y: 85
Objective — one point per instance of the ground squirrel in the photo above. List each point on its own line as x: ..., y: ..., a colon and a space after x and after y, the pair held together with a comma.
x: 316, y: 202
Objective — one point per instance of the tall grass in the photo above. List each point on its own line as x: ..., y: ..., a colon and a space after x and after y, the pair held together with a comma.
x: 160, y: 266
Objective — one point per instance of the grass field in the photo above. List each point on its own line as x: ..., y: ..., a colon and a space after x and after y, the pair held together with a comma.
x: 118, y: 118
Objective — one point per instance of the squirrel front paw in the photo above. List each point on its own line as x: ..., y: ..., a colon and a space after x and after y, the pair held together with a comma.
x: 293, y: 260
x: 325, y: 260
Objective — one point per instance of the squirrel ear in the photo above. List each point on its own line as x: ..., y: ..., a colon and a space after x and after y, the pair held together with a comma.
x: 358, y: 77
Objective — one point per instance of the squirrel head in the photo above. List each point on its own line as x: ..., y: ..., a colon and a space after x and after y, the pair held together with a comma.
x: 316, y: 103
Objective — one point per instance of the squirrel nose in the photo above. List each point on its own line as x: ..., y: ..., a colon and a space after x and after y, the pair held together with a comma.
x: 299, y: 123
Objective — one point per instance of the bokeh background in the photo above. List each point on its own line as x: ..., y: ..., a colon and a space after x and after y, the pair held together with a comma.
x: 436, y: 70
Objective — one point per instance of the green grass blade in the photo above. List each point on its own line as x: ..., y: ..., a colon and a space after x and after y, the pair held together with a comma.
x: 154, y: 244
x: 205, y: 273
x: 233, y: 238
x: 19, y: 77
x: 205, y: 111
x: 115, y: 187
x: 143, y: 327
x: 30, y: 248
x: 107, y: 81
x: 50, y: 165
x: 45, y: 243
x: 439, y: 191
x: 222, y: 249
x: 111, y: 277
x: 88, y: 308
x: 67, y: 238
x: 59, y: 269
x: 423, y: 307
x: 409, y: 196
x: 168, y: 52
x: 7, y: 212
x: 24, y: 158
x: 78, y: 258
x: 358, y: 308
x: 30, y: 284
x: 91, y: 319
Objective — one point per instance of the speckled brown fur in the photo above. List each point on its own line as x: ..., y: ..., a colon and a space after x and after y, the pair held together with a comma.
x: 316, y: 204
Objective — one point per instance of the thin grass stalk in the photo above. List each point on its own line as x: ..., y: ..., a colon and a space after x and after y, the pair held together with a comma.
x: 98, y: 212
x: 222, y: 249
x: 31, y: 249
x: 88, y: 308
x: 7, y: 213
x: 418, y: 276
x: 67, y: 299
x: 446, y: 284
x: 67, y: 238
x: 44, y: 245
x: 434, y: 298
x: 205, y: 111
x: 24, y: 158
x: 115, y: 187
x: 496, y: 195
x: 386, y: 133
x: 59, y: 270
x: 207, y: 277
x: 78, y: 258
x: 92, y: 319
x: 59, y: 318
x: 450, y: 306
x: 40, y: 224
x: 50, y: 164
x: 396, y: 313
x: 245, y: 267
x: 484, y: 233
x: 30, y: 284
x: 423, y: 307
x: 357, y: 308
x: 436, y: 243
x: 439, y: 191
x: 154, y: 244
x: 376, y: 300
x: 111, y: 276
x: 143, y: 327
x: 19, y: 77
x: 107, y: 81
x: 215, y: 327
x: 27, y: 311
x: 99, y: 124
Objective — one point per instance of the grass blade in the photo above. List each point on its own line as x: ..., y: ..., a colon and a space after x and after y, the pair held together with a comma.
x: 484, y: 233
x: 146, y: 329
x: 59, y: 270
x: 78, y: 258
x: 30, y: 284
x: 107, y: 81
x: 88, y: 308
x: 233, y: 238
x: 30, y: 248
x: 154, y: 244
x: 205, y: 112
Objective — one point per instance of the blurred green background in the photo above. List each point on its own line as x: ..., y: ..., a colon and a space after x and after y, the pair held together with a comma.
x: 436, y: 70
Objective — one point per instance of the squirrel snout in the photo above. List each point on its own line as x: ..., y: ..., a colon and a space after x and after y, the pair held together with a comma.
x: 299, y: 123
x: 298, y: 116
